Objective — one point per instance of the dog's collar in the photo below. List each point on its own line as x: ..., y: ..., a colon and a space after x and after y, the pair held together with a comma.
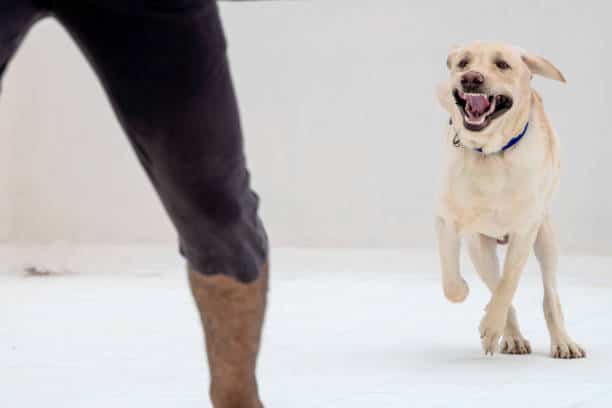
x: 511, y: 142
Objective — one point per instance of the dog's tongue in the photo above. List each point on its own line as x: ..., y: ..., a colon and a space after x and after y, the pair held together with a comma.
x: 477, y: 104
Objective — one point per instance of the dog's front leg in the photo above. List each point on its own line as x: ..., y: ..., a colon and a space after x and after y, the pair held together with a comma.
x: 455, y: 287
x: 483, y: 251
x: 494, y: 321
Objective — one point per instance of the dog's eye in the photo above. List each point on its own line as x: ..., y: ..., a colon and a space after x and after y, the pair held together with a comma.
x: 501, y: 64
x: 463, y: 63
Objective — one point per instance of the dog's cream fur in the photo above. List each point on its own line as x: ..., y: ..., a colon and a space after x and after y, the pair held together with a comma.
x: 486, y: 196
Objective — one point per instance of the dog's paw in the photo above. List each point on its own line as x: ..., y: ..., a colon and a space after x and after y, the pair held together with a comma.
x: 490, y: 340
x: 456, y: 291
x: 515, y: 345
x: 567, y: 349
x: 491, y: 329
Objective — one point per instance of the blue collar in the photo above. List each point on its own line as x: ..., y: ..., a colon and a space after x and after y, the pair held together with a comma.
x: 508, y: 145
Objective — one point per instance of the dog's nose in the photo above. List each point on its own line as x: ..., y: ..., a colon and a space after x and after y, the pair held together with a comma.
x: 472, y: 81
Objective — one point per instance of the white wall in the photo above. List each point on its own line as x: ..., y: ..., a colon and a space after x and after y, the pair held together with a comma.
x: 343, y: 131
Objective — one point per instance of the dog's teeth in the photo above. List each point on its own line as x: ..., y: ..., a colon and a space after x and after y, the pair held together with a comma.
x: 478, y: 121
x: 492, y: 107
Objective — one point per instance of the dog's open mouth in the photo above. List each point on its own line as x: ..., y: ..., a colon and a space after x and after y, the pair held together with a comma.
x: 480, y: 109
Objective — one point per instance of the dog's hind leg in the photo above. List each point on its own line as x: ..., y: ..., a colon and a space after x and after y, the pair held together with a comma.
x: 483, y: 252
x: 562, y: 346
x: 455, y: 287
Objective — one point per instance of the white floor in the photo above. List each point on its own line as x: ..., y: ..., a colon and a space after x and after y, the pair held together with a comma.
x: 115, y: 327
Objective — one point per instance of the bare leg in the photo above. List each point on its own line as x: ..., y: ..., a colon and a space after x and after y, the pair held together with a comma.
x: 483, y: 252
x: 562, y: 346
x: 493, y: 324
x: 455, y: 287
x: 232, y: 315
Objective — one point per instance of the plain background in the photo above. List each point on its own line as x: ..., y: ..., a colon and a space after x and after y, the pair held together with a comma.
x: 343, y: 131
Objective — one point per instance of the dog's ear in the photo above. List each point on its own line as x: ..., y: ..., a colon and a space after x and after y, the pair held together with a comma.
x: 443, y: 94
x: 541, y: 66
x: 451, y: 55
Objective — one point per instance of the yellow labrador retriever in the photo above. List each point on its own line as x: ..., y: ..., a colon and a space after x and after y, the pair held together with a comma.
x: 502, y: 168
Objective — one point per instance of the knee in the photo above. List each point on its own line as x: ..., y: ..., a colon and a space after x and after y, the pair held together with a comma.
x: 215, y: 213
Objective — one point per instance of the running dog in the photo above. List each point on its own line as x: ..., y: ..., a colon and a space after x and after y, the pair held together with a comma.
x: 501, y: 170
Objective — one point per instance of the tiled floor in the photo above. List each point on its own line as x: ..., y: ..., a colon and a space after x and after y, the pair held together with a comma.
x: 115, y: 327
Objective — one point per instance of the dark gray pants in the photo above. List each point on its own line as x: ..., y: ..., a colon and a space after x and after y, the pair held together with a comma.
x: 163, y: 64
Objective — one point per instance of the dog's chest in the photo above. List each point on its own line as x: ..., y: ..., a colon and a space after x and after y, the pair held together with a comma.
x: 491, y: 195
